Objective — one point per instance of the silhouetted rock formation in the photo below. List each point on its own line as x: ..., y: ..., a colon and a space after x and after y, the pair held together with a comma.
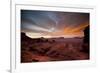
x: 86, y: 40
x: 86, y: 35
x: 24, y: 37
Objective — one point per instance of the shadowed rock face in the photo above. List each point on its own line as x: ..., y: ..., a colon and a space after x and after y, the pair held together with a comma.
x: 86, y: 40
x: 86, y: 35
x: 24, y: 37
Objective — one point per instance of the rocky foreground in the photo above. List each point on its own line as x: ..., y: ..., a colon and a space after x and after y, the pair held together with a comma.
x: 52, y: 49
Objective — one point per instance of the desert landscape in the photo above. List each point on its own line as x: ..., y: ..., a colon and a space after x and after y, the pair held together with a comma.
x: 52, y: 49
x: 54, y: 36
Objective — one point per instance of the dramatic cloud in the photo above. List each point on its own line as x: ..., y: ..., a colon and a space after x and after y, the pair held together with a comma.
x: 50, y: 23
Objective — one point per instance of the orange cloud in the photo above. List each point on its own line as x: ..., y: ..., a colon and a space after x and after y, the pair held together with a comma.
x: 77, y: 31
x: 81, y: 27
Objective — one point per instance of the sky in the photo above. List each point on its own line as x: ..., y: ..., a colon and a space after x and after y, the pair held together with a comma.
x: 50, y: 24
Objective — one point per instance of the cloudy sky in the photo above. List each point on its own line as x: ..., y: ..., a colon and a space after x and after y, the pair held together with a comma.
x: 53, y: 24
